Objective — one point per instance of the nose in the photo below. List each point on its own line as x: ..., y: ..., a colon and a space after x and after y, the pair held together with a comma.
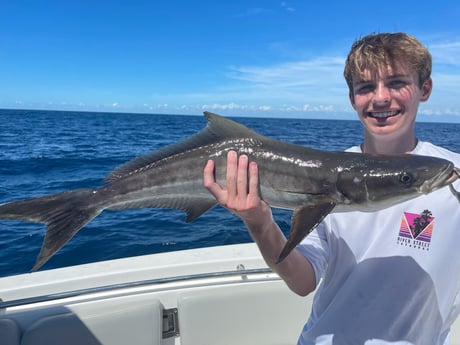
x: 382, y: 96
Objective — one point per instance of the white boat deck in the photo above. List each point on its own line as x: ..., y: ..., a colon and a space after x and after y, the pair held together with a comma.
x: 210, y: 296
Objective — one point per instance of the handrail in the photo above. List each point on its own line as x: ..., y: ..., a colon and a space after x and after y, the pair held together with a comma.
x: 119, y: 286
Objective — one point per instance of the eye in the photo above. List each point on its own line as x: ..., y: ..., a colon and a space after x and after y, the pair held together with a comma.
x: 406, y: 178
x: 397, y: 84
x: 364, y: 88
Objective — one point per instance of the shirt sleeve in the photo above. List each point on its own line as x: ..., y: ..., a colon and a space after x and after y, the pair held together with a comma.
x: 316, y: 249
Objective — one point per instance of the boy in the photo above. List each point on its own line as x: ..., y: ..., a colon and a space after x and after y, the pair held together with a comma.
x: 390, y: 277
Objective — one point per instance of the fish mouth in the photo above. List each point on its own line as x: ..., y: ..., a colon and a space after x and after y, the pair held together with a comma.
x: 451, y: 186
x: 380, y: 115
x: 445, y: 177
x: 452, y: 177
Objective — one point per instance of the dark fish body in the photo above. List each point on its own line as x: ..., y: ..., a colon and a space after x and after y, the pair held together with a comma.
x: 311, y: 182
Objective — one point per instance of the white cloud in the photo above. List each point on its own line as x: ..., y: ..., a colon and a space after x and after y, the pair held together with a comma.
x: 297, y: 87
x: 317, y: 81
x: 446, y: 52
x: 287, y: 7
x: 293, y: 74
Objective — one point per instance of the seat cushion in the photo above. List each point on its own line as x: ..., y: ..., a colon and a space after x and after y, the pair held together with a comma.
x: 245, y: 314
x: 97, y: 323
x: 10, y: 333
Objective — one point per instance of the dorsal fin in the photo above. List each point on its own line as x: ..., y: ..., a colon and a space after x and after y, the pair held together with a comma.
x: 218, y: 128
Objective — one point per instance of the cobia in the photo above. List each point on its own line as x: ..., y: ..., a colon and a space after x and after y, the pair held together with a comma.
x: 311, y: 182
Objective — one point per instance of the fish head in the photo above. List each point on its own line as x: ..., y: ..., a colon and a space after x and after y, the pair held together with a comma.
x: 373, y: 182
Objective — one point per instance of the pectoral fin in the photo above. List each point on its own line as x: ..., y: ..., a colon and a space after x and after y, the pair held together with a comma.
x: 304, y: 220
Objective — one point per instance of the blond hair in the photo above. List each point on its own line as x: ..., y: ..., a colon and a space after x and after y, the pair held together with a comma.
x: 377, y: 52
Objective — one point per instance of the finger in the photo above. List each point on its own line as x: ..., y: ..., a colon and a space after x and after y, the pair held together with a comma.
x: 253, y: 179
x: 208, y: 173
x: 209, y: 180
x: 242, y: 178
x: 231, y: 175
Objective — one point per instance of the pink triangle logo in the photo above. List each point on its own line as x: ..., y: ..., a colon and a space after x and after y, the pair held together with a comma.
x: 417, y: 226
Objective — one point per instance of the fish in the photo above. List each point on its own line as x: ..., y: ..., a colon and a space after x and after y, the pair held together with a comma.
x: 311, y: 182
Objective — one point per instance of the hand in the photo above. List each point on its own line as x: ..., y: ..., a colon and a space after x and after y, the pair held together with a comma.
x: 241, y: 193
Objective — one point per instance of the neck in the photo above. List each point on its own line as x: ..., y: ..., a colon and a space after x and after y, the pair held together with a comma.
x: 388, y: 146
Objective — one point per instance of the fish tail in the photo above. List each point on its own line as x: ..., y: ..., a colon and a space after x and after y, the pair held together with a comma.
x: 63, y: 213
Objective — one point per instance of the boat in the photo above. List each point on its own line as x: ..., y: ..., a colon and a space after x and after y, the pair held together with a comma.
x: 220, y: 295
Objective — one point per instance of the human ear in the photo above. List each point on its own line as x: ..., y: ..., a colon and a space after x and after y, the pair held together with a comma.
x: 427, y: 87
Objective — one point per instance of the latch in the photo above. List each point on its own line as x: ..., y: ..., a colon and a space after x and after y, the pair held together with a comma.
x: 170, y: 323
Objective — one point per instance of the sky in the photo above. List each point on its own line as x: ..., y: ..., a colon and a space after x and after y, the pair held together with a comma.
x: 236, y: 58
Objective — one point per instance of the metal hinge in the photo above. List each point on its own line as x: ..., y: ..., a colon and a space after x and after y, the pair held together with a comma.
x: 170, y: 323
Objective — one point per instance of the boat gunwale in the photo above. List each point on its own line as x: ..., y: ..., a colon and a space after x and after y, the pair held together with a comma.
x: 118, y: 288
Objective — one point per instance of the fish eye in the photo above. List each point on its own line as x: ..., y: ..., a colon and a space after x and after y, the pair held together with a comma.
x: 406, y: 178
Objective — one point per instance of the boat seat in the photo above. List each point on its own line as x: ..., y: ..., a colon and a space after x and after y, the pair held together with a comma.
x: 248, y: 314
x: 100, y: 323
x: 10, y: 332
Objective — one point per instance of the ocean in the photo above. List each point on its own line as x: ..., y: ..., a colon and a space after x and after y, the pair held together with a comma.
x: 44, y: 152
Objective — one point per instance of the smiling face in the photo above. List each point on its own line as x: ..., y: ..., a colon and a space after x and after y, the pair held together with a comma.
x: 387, y: 102
x: 388, y: 75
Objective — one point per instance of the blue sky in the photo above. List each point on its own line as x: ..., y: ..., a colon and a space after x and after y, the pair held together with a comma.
x: 251, y: 58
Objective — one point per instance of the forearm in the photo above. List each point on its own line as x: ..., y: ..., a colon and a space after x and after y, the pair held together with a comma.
x: 295, y: 269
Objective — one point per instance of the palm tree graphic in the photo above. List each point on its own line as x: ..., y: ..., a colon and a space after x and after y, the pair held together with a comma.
x: 420, y: 223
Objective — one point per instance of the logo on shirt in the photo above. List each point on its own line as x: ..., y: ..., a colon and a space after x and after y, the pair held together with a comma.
x: 416, y: 230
